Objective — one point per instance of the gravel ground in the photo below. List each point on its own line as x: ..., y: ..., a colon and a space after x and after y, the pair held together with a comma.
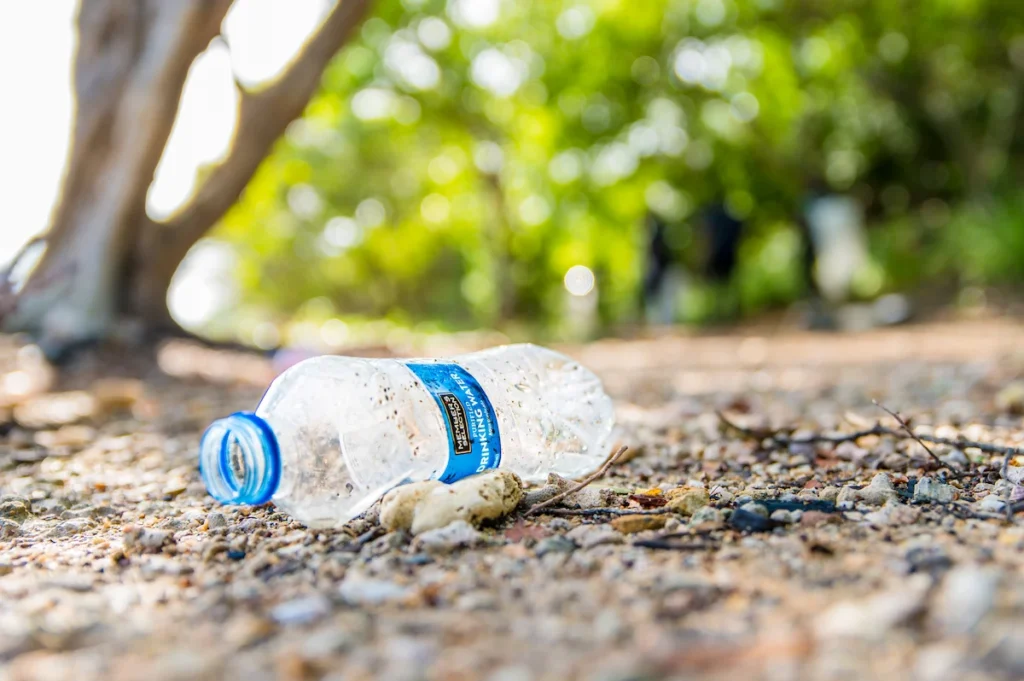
x: 809, y: 562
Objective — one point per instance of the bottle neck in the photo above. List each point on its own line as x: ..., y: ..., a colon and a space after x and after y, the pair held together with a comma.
x: 239, y: 460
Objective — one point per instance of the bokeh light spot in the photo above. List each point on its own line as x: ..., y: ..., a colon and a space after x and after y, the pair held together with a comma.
x: 579, y: 280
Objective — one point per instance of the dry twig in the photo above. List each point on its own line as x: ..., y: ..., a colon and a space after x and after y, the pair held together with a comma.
x: 780, y: 439
x: 609, y: 510
x: 665, y: 541
x: 576, y: 488
x: 911, y: 433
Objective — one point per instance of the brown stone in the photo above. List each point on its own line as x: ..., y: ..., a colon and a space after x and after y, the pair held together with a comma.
x: 687, y: 500
x: 630, y: 524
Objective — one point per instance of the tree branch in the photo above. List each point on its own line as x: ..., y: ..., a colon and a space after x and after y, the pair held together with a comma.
x: 263, y: 116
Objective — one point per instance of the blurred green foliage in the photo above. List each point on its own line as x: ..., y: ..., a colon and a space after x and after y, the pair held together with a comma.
x: 464, y: 154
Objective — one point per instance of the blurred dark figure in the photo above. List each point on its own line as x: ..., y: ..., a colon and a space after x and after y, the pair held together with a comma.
x: 719, y: 234
x: 834, y: 255
x: 722, y: 233
x: 658, y: 298
x: 659, y: 256
x: 818, y: 314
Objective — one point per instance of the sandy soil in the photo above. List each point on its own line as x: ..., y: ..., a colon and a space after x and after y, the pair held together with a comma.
x: 114, y: 564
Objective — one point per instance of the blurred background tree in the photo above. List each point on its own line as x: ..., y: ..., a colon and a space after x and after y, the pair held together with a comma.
x: 464, y: 156
x: 104, y: 259
x: 490, y: 163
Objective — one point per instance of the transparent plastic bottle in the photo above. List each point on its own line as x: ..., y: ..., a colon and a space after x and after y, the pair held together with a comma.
x: 333, y: 434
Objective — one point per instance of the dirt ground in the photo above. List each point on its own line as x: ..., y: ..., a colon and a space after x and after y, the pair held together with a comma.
x: 114, y: 564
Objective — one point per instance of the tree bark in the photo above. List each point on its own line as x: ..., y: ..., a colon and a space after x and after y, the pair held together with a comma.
x: 105, y: 260
x: 263, y: 116
x: 130, y: 67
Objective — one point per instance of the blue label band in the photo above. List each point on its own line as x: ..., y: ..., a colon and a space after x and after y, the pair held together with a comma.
x: 474, y: 444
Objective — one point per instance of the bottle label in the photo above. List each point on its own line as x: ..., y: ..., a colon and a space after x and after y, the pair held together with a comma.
x: 474, y: 444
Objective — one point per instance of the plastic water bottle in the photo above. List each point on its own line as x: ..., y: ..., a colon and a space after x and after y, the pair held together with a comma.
x: 333, y: 434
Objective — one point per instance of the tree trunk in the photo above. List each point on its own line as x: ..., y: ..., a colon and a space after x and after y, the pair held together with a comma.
x: 105, y: 260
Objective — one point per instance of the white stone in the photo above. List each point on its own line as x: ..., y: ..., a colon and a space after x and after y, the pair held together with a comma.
x: 991, y: 504
x: 893, y: 513
x: 927, y: 489
x: 397, y: 506
x: 474, y: 499
x: 456, y: 535
x: 879, y: 491
x: 360, y: 590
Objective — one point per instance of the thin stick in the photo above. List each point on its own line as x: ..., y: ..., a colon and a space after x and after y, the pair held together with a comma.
x: 780, y: 439
x: 665, y: 543
x: 911, y: 433
x: 576, y: 488
x: 609, y: 511
x: 785, y: 440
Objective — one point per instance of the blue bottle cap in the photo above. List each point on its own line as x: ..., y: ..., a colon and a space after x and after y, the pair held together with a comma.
x: 239, y: 460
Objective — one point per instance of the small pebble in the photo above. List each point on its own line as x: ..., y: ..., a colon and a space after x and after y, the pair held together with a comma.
x: 15, y: 508
x: 216, y: 520
x: 591, y: 497
x: 49, y: 507
x: 991, y: 504
x: 895, y: 462
x: 782, y: 516
x: 688, y: 501
x: 556, y: 485
x: 9, y: 529
x: 588, y: 536
x: 746, y: 520
x: 956, y: 459
x: 555, y: 544
x: 893, y: 513
x: 755, y: 508
x: 929, y: 490
x: 456, y: 535
x: 359, y: 590
x: 630, y: 524
x: 815, y: 518
x: 846, y: 499
x: 1003, y: 489
x: 70, y: 528
x: 301, y: 610
x: 145, y: 540
x: 829, y: 494
x: 879, y: 491
x: 707, y: 514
